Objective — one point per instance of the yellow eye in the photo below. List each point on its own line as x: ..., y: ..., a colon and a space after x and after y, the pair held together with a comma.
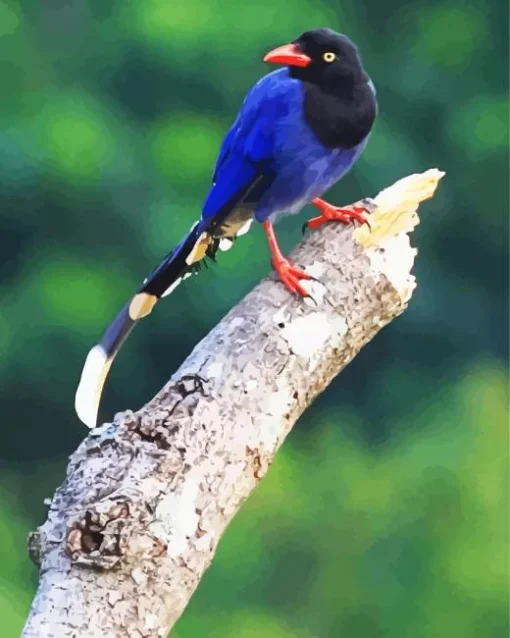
x: 329, y: 57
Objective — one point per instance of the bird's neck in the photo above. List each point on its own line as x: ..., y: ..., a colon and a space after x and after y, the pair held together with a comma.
x: 341, y: 117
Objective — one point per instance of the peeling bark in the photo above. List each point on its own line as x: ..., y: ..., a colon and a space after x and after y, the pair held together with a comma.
x: 146, y: 498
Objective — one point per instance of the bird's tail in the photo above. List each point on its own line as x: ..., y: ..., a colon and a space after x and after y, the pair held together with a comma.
x: 176, y: 266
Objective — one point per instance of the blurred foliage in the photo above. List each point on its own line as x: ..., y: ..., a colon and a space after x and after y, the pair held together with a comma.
x: 386, y: 512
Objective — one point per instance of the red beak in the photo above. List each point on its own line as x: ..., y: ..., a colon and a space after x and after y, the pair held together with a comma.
x: 289, y: 54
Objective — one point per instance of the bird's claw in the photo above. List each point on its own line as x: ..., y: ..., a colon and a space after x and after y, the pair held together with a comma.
x: 344, y: 214
x: 291, y: 277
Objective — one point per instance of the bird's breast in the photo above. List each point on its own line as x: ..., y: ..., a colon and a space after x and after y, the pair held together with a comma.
x: 304, y: 170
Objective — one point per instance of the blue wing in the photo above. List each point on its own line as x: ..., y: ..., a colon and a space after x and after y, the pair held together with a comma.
x: 244, y: 161
x: 225, y: 149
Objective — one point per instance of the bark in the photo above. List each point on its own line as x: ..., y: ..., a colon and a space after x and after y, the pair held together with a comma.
x: 147, y: 497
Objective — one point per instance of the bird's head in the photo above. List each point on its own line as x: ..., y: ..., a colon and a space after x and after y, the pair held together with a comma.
x: 322, y: 57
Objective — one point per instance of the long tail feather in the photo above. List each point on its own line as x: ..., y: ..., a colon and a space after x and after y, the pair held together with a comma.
x: 161, y: 282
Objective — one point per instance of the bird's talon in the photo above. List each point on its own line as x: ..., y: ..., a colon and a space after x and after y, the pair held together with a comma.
x: 300, y: 274
x: 344, y: 214
x: 291, y: 276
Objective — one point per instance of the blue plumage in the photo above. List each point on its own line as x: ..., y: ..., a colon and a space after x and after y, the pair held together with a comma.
x: 300, y: 130
x: 271, y: 137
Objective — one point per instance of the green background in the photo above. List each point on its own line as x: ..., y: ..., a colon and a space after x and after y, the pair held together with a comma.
x: 385, y: 514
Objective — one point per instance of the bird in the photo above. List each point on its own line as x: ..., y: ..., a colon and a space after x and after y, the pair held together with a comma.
x: 300, y: 129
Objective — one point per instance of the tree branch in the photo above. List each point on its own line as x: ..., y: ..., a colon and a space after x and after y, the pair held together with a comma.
x: 147, y: 498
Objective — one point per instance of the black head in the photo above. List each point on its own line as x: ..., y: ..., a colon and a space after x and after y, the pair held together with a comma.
x: 321, y: 57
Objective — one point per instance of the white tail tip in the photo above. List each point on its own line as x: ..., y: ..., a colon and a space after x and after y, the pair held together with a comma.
x: 90, y: 388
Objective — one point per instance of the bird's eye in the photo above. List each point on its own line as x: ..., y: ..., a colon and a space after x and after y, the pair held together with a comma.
x: 329, y: 57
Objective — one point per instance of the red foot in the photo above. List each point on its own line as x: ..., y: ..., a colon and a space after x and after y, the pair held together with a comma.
x: 330, y: 213
x: 288, y: 273
x: 290, y: 276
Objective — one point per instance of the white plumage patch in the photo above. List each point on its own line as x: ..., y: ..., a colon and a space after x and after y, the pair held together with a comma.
x: 244, y: 228
x: 88, y: 394
x: 225, y: 244
x: 172, y: 287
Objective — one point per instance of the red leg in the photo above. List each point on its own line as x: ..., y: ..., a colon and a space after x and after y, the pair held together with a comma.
x: 330, y: 213
x: 288, y: 273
